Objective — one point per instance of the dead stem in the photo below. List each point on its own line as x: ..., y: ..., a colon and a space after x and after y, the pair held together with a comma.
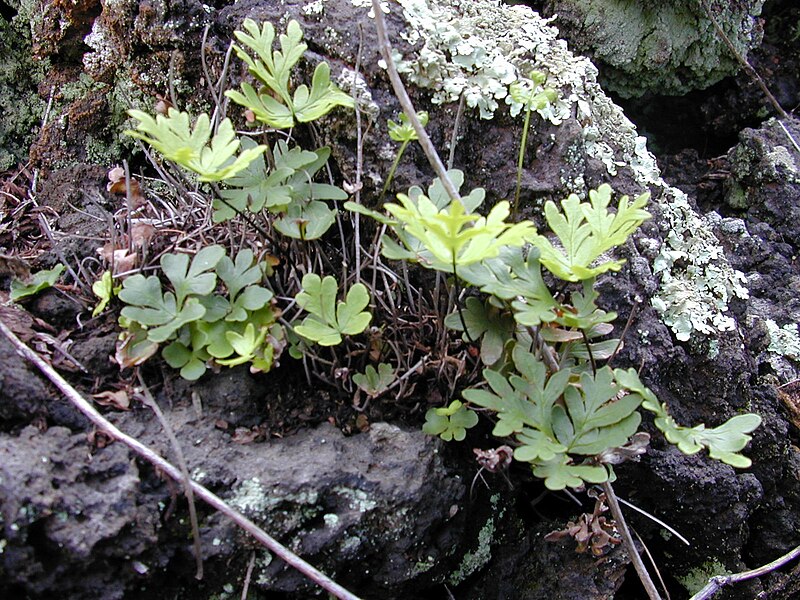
x: 148, y: 400
x: 174, y: 473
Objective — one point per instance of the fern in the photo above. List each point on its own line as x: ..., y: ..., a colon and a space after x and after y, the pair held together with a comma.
x: 273, y: 69
x: 212, y: 158
x: 585, y: 231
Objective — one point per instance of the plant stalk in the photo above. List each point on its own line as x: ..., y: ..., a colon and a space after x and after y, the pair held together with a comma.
x: 395, y: 164
x: 521, y: 159
x: 408, y: 108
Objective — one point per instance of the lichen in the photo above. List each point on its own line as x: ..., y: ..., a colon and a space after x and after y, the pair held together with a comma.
x: 357, y: 500
x: 314, y: 9
x: 784, y: 340
x: 476, y: 559
x: 697, y: 282
x: 696, y: 579
x: 347, y: 80
x: 474, y: 49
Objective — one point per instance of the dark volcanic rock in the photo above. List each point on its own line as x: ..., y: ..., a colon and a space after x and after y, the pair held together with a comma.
x: 367, y: 509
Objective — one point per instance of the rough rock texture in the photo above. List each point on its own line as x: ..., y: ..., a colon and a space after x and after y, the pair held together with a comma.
x: 64, y: 511
x: 368, y: 509
x: 523, y: 562
x: 668, y: 48
x: 341, y: 501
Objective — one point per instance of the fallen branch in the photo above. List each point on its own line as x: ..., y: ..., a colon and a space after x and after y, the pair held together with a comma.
x: 715, y: 584
x: 627, y: 539
x: 408, y: 108
x: 174, y: 473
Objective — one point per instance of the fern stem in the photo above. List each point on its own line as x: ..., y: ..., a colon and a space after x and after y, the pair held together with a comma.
x: 589, y: 350
x: 458, y: 303
x: 521, y: 158
x: 392, y: 170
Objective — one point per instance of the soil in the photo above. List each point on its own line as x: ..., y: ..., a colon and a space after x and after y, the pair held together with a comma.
x: 357, y: 488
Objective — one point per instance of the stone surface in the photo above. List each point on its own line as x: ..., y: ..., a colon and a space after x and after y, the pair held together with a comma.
x: 668, y: 48
x: 342, y: 500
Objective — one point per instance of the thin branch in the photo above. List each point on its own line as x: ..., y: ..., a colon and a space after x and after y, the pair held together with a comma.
x: 672, y: 530
x: 641, y: 570
x: 359, y: 154
x: 454, y: 137
x: 715, y: 584
x: 147, y: 398
x: 654, y: 565
x: 741, y: 60
x: 408, y: 107
x: 248, y: 575
x: 174, y: 473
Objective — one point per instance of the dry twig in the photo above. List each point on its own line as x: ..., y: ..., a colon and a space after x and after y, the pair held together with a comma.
x: 715, y: 584
x: 175, y: 474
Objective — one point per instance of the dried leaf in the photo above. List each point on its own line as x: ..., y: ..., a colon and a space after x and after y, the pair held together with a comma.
x: 117, y: 185
x: 141, y: 234
x: 119, y: 399
x: 122, y: 260
x: 494, y: 459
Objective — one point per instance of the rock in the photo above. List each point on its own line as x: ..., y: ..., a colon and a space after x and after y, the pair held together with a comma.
x: 526, y: 567
x: 381, y: 511
x: 71, y: 519
x: 668, y: 48
x: 369, y: 510
x: 763, y: 188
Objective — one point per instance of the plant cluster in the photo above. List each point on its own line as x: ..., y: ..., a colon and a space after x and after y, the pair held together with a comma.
x: 197, y: 323
x: 567, y: 414
x: 545, y: 382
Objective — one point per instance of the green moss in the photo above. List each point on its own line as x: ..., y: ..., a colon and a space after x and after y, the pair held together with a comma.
x: 21, y: 108
x: 698, y: 577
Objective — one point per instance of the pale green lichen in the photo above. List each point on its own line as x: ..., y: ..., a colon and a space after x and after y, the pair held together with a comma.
x: 784, y: 340
x: 477, y: 49
x: 314, y: 9
x: 357, y: 500
x: 350, y: 81
x: 477, y: 559
x: 252, y: 496
x: 474, y: 49
x: 261, y: 563
x: 697, y: 282
x: 696, y: 579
